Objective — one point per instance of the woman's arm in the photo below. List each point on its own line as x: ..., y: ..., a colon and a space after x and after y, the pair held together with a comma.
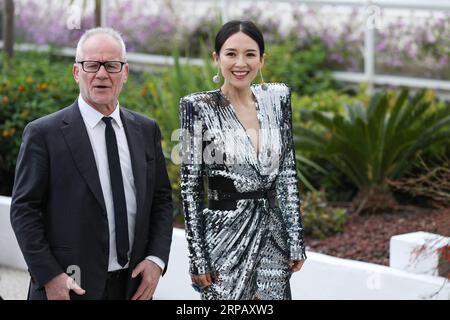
x: 287, y: 185
x: 192, y: 191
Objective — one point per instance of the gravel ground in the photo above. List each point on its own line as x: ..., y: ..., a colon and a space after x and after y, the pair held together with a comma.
x: 367, y: 238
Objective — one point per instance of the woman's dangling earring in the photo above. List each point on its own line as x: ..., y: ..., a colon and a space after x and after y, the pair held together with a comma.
x: 264, y: 85
x: 216, y: 78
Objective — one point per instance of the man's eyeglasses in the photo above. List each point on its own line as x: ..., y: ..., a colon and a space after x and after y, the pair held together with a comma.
x: 94, y: 66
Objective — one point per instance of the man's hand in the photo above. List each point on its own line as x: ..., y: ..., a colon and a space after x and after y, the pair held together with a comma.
x: 150, y: 273
x: 296, y: 265
x: 59, y: 287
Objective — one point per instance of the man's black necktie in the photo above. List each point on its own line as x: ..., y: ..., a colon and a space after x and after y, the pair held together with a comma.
x: 120, y: 206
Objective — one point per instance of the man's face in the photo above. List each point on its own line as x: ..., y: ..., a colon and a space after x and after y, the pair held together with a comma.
x: 100, y: 89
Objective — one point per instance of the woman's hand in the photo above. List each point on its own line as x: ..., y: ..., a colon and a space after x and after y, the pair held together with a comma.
x: 296, y: 265
x: 202, y: 281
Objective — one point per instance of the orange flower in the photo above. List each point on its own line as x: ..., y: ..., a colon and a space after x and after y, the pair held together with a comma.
x: 21, y: 88
x: 5, y: 133
x: 43, y: 86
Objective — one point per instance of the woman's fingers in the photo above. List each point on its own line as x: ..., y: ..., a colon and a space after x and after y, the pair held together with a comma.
x: 296, y: 265
x: 202, y: 280
x: 209, y: 279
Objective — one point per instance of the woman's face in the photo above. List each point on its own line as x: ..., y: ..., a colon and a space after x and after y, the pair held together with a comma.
x: 239, y: 60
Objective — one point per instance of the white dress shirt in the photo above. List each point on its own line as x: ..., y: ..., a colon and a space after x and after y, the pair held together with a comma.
x: 96, y: 132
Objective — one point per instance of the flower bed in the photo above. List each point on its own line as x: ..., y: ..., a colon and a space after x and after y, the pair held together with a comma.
x: 411, y: 44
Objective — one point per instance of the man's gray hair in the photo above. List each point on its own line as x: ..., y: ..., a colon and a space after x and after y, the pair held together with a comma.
x: 101, y: 30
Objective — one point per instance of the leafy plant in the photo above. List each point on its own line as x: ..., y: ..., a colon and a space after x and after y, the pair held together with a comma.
x: 302, y: 170
x: 375, y: 143
x: 300, y: 66
x: 164, y: 90
x: 319, y: 219
x: 29, y: 88
x: 321, y: 174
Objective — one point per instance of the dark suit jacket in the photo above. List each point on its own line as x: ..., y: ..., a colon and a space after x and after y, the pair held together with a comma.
x: 58, y: 212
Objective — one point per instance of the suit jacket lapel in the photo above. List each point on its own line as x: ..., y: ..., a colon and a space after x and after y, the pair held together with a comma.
x: 77, y: 140
x: 136, y: 146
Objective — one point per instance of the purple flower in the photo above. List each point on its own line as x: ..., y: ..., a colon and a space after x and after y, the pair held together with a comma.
x: 336, y: 57
x: 328, y: 39
x: 430, y: 38
x: 412, y: 50
x: 381, y: 46
x: 443, y: 62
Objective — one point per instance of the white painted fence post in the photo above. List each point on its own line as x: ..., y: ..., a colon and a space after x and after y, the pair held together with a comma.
x: 104, y: 13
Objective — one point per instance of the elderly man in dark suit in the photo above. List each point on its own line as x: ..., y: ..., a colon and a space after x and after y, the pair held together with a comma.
x: 91, y: 205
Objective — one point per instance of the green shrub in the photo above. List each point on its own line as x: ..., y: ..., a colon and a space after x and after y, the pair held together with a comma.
x: 319, y: 219
x: 327, y: 100
x: 164, y: 90
x: 374, y: 143
x: 322, y: 175
x: 31, y: 86
x: 301, y: 67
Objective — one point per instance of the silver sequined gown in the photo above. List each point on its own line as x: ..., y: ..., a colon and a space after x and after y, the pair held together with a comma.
x: 247, y: 248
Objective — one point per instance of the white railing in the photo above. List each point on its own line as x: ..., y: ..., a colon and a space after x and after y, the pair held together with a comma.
x: 138, y: 58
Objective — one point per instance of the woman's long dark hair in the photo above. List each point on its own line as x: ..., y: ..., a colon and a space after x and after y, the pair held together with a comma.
x: 235, y: 26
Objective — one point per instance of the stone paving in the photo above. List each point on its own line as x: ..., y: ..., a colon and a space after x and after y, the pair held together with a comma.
x: 13, y: 283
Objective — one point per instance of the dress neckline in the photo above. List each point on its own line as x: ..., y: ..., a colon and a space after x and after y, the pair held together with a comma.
x: 257, y: 107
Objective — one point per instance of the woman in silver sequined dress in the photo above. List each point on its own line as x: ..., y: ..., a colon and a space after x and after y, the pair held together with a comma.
x: 248, y: 239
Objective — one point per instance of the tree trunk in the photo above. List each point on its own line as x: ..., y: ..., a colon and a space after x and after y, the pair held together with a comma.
x: 8, y: 27
x: 373, y: 200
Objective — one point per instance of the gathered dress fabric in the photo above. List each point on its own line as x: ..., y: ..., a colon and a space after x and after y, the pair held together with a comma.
x: 246, y: 247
